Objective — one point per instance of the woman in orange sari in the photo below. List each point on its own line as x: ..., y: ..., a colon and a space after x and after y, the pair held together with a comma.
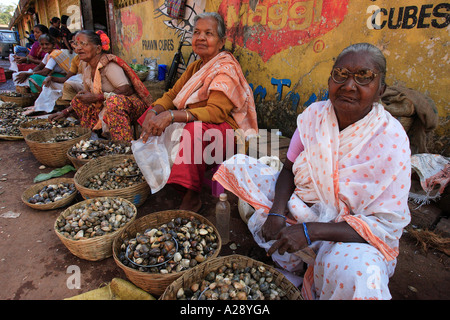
x: 212, y: 96
x: 113, y: 96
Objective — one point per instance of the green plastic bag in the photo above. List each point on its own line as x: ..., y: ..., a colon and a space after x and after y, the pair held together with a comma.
x: 55, y: 173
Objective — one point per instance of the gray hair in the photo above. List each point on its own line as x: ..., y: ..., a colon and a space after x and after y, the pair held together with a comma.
x: 375, y: 54
x: 221, y: 28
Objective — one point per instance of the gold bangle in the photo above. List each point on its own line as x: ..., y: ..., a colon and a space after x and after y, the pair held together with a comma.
x: 187, y: 116
x: 173, y: 117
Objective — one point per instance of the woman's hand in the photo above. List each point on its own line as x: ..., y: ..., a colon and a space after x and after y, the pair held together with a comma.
x: 290, y: 239
x: 87, y: 97
x: 22, y: 77
x: 56, y: 116
x: 272, y: 227
x: 47, y: 82
x: 19, y: 59
x: 155, y: 124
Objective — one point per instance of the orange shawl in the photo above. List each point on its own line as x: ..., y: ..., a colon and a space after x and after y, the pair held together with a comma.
x: 222, y: 73
x: 137, y: 84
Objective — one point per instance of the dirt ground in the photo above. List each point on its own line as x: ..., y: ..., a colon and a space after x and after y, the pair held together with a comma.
x: 34, y: 263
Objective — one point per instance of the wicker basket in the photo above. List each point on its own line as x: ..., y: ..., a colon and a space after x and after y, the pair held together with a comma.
x: 23, y: 89
x: 142, y: 75
x: 54, y: 154
x: 25, y: 126
x: 199, y: 273
x: 155, y: 283
x: 25, y: 100
x: 49, y: 206
x: 78, y: 163
x: 137, y: 194
x: 94, y: 249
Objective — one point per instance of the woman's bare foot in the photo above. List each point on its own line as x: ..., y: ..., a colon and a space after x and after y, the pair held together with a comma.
x: 28, y: 111
x: 191, y: 201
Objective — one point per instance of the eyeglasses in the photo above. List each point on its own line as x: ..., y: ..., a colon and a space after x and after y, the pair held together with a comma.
x: 74, y: 43
x: 362, y: 77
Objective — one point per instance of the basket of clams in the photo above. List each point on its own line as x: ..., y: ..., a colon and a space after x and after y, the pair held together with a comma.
x: 89, y: 228
x: 233, y: 277
x: 156, y: 249
x: 21, y: 99
x: 44, y: 124
x: 85, y: 150
x: 50, y: 194
x: 112, y: 176
x: 11, y: 118
x: 50, y: 146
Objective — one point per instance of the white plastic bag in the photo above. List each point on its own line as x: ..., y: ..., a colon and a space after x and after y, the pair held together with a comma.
x: 434, y: 173
x: 156, y: 157
x: 23, y: 84
x: 13, y: 65
x: 48, y: 96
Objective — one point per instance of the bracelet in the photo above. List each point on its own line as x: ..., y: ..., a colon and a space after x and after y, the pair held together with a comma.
x: 154, y: 111
x: 171, y: 113
x: 187, y: 116
x: 305, y: 229
x: 277, y: 215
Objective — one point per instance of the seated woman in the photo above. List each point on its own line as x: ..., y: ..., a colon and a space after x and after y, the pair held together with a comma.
x: 113, y: 96
x: 343, y: 190
x: 55, y: 63
x: 68, y: 86
x: 36, y: 54
x: 212, y: 94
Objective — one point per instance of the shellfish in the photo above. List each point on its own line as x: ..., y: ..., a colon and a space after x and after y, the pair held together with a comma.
x: 90, y: 149
x: 172, y: 247
x: 234, y: 282
x: 52, y: 193
x: 95, y: 219
x: 122, y: 176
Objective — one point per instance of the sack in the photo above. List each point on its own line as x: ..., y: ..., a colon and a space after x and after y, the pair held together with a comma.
x: 156, y: 157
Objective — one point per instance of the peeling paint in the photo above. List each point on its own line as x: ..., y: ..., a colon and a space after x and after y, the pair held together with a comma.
x: 260, y: 34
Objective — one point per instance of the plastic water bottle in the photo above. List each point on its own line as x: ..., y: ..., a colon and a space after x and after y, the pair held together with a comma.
x: 223, y: 218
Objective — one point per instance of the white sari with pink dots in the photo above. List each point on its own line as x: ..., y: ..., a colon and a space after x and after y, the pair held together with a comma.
x: 360, y: 175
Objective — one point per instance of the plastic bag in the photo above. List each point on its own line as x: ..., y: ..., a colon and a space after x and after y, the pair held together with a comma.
x: 434, y: 173
x: 23, y: 84
x: 48, y: 96
x: 156, y: 157
x: 13, y: 65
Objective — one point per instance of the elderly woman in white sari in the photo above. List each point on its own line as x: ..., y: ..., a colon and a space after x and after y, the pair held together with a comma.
x: 342, y: 193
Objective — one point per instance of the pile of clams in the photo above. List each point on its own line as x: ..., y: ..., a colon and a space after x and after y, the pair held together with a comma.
x: 92, y: 149
x: 45, y: 125
x: 10, y: 119
x: 175, y: 246
x: 125, y: 175
x: 68, y: 135
x: 11, y: 94
x: 52, y: 193
x: 232, y: 282
x: 94, y: 219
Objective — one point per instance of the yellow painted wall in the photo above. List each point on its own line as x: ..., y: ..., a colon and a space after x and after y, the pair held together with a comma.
x: 286, y: 47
